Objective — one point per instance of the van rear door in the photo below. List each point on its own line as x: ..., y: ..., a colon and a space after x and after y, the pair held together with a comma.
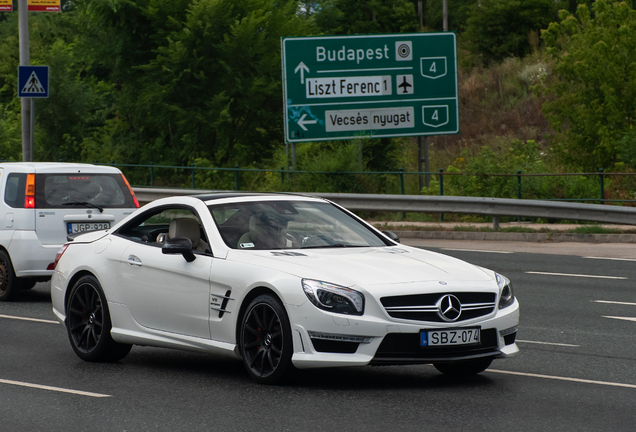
x: 75, y: 202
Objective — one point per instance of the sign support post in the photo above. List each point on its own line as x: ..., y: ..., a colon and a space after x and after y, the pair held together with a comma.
x: 38, y: 86
x: 25, y: 103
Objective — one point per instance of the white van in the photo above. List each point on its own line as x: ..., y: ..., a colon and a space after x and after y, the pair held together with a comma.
x: 41, y: 203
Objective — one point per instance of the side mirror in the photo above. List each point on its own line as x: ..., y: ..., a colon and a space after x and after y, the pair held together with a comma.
x: 179, y: 245
x: 393, y: 236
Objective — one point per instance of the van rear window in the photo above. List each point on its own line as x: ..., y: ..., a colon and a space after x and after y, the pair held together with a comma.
x: 78, y: 189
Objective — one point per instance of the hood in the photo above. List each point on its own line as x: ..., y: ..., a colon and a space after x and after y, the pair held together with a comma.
x: 365, y: 266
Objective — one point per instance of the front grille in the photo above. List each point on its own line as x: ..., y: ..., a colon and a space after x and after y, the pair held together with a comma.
x: 421, y: 307
x: 400, y: 348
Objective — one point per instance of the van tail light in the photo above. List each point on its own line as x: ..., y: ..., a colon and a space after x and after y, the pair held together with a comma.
x: 131, y: 191
x: 58, y: 255
x: 29, y: 192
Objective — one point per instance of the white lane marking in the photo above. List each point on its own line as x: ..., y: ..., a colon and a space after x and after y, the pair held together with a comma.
x: 547, y: 343
x: 576, y: 275
x: 477, y: 250
x: 29, y: 319
x: 621, y: 318
x: 613, y: 384
x: 57, y: 389
x: 614, y: 302
x: 613, y: 259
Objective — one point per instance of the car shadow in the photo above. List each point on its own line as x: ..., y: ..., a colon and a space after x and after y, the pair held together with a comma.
x: 40, y: 293
x: 194, y: 366
x: 384, y: 378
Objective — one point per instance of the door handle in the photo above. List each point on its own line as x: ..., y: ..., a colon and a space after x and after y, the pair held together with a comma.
x: 134, y: 261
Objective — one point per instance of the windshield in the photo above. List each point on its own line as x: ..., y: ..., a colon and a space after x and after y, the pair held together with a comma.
x: 290, y: 225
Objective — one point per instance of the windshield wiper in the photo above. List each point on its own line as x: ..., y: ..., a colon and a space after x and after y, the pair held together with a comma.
x: 85, y: 203
x: 335, y: 245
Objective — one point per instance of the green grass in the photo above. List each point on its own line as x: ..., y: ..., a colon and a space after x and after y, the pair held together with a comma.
x: 518, y: 230
x: 594, y: 229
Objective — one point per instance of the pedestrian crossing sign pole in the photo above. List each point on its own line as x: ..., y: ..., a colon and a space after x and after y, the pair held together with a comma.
x: 33, y: 81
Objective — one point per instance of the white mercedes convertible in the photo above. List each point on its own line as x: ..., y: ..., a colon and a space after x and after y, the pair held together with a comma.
x: 278, y: 281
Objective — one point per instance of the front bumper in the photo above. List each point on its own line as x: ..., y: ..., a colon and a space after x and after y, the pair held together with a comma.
x: 323, y: 339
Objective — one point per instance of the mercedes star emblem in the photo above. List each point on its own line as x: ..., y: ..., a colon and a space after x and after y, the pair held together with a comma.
x: 449, y: 308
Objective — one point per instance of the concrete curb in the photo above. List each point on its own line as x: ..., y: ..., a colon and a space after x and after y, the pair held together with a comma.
x: 522, y: 237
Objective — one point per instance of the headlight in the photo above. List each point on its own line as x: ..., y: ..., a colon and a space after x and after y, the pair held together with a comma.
x: 334, y: 298
x: 506, y: 295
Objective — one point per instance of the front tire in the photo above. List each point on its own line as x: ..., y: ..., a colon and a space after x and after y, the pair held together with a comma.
x: 464, y: 368
x: 265, y: 340
x: 8, y: 281
x: 88, y: 324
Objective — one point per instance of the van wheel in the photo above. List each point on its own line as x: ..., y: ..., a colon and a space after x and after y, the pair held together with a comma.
x: 8, y: 285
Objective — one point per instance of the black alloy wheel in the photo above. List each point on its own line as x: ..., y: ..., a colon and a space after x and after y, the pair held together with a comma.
x: 265, y: 340
x: 464, y: 368
x: 88, y: 324
x: 8, y: 285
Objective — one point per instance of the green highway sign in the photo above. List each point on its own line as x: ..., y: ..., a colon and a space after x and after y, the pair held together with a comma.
x: 340, y: 87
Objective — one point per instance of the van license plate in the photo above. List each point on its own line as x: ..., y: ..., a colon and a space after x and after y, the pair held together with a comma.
x: 450, y: 337
x: 74, y: 228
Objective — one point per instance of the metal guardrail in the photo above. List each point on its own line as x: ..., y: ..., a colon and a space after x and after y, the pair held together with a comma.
x: 494, y: 207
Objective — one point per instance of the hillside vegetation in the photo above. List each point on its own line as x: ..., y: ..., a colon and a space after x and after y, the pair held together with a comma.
x: 544, y: 86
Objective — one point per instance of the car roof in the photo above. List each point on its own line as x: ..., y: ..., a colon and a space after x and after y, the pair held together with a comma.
x: 57, y: 167
x: 253, y: 196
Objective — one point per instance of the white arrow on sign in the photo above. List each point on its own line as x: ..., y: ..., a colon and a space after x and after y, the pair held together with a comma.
x: 302, y: 122
x: 302, y: 68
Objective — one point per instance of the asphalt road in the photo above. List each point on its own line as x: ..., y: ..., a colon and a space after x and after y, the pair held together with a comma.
x: 576, y: 371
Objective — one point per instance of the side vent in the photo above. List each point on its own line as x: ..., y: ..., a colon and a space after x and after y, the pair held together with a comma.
x: 224, y: 300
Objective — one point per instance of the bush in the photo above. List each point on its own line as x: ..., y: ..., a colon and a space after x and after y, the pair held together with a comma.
x: 507, y: 157
x: 331, y: 160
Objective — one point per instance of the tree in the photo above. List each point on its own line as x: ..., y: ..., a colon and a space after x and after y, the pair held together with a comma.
x: 497, y: 29
x: 373, y: 16
x: 458, y: 13
x: 593, y: 82
x: 219, y: 85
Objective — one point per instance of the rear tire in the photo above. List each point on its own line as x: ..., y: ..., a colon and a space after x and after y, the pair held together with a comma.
x: 8, y: 281
x: 464, y: 368
x: 88, y: 323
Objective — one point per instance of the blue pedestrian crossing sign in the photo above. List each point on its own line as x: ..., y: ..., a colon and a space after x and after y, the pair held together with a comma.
x: 33, y: 81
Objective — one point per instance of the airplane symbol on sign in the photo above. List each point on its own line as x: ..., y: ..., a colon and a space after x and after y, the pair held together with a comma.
x: 405, y: 85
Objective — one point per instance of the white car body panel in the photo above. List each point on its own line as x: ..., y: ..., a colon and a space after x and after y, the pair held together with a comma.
x: 171, y: 303
x: 151, y: 281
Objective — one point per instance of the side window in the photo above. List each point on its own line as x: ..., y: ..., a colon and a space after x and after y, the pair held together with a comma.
x: 158, y: 227
x: 14, y: 190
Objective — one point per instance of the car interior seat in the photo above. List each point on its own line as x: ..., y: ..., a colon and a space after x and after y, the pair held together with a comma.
x: 187, y: 227
x: 266, y: 231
